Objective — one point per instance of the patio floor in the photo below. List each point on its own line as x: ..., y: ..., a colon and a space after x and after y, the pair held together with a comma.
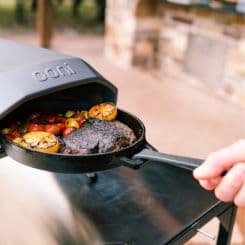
x: 181, y: 117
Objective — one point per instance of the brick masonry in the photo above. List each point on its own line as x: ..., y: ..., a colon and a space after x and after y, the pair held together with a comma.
x: 206, y: 45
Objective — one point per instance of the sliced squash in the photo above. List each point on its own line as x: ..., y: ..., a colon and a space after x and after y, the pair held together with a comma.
x: 104, y: 111
x: 40, y: 141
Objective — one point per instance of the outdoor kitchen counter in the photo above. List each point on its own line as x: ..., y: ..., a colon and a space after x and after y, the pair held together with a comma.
x: 154, y: 205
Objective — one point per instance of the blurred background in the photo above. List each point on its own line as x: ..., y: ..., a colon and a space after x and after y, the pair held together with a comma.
x: 178, y: 64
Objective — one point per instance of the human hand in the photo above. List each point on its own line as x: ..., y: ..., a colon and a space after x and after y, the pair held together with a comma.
x: 231, y: 187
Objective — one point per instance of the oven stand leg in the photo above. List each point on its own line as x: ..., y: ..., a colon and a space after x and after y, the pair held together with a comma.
x: 227, y: 219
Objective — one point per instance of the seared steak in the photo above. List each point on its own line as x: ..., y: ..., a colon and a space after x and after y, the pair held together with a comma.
x: 97, y: 136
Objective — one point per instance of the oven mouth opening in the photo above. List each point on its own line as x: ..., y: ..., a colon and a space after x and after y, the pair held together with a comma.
x: 73, y: 98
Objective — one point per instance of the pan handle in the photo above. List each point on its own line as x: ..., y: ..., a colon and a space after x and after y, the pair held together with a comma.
x: 178, y: 161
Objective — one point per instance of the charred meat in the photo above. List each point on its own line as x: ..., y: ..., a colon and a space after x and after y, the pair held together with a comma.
x: 97, y: 136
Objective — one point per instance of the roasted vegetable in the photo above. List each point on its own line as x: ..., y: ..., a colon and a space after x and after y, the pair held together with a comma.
x: 6, y: 131
x: 81, y: 120
x: 67, y: 131
x: 84, y: 114
x: 38, y: 130
x: 51, y: 119
x: 18, y: 140
x: 33, y: 127
x: 104, y: 111
x: 52, y: 128
x: 39, y: 141
x: 72, y: 123
x: 69, y: 114
x: 61, y: 126
x: 10, y: 134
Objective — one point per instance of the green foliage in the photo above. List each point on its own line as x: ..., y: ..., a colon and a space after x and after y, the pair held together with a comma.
x: 86, y: 21
x: 8, y: 17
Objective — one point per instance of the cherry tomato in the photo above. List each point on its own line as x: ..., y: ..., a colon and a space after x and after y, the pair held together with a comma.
x: 67, y: 131
x: 61, y: 126
x: 61, y: 120
x: 35, y: 127
x: 80, y: 120
x: 51, y: 119
x: 9, y: 137
x: 13, y: 135
x: 52, y: 128
x: 16, y: 134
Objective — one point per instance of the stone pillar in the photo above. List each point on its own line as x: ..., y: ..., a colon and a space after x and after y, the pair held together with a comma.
x: 132, y: 32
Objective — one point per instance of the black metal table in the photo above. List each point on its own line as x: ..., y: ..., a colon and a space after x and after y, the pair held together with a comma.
x: 154, y: 205
x: 157, y: 204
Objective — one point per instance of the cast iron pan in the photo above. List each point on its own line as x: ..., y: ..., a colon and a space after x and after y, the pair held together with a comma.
x: 132, y: 156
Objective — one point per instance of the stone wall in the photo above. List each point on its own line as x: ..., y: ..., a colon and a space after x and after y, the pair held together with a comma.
x: 207, y: 45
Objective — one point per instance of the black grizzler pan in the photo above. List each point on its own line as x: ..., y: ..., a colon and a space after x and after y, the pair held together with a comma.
x: 132, y: 156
